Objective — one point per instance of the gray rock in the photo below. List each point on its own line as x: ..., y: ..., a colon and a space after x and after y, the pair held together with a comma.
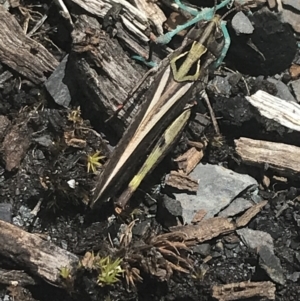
x: 237, y: 206
x: 254, y: 239
x: 218, y: 186
x: 229, y: 253
x: 168, y: 211
x: 172, y: 206
x: 271, y: 264
x: 57, y: 87
x: 202, y: 249
x: 283, y: 90
x: 216, y: 255
x: 141, y: 228
x: 39, y: 154
x: 219, y: 247
x: 6, y: 212
x: 262, y: 243
x: 294, y: 277
x: 221, y: 84
x: 44, y: 140
x: 297, y: 257
x: 24, y: 217
x: 241, y: 24
x: 231, y: 246
x: 256, y: 198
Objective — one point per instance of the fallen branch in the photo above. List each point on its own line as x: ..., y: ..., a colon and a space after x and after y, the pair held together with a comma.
x: 279, y: 157
x: 38, y: 256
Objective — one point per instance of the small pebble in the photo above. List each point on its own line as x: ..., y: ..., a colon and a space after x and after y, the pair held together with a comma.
x: 241, y: 24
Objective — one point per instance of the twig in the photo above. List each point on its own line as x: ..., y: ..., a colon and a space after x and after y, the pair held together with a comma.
x: 211, y: 112
x: 37, y: 25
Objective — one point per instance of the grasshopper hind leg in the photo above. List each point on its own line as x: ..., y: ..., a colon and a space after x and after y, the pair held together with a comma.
x: 146, y: 62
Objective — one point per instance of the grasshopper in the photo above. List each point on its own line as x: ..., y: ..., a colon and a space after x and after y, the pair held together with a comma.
x: 177, y: 79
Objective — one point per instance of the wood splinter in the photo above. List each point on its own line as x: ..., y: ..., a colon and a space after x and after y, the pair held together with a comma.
x: 244, y: 290
x: 279, y: 157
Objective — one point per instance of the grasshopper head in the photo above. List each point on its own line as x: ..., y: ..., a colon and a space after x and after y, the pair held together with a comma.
x: 200, y: 49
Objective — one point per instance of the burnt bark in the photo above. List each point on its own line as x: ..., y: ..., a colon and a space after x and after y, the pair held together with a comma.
x: 105, y: 73
x: 21, y: 53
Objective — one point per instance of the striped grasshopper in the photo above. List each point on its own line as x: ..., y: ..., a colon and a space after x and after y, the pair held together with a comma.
x: 178, y: 78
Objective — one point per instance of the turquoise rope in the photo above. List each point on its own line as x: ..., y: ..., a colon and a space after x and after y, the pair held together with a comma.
x: 226, y: 44
x: 205, y: 14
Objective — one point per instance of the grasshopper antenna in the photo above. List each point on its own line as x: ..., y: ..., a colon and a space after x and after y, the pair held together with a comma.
x: 228, y: 13
x: 239, y: 7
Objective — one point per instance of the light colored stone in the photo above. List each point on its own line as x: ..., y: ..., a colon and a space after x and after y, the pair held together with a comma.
x: 218, y: 186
